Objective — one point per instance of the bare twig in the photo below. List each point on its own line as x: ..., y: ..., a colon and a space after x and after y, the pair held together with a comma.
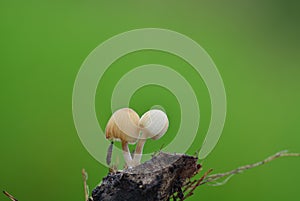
x: 189, y: 185
x: 86, y: 190
x: 191, y: 192
x: 217, y: 183
x: 10, y: 196
x: 215, y: 177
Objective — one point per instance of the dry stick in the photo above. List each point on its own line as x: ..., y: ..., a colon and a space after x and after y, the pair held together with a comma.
x: 10, y: 196
x: 190, y: 193
x: 215, y: 177
x: 84, y: 177
x: 188, y: 185
x: 191, y: 183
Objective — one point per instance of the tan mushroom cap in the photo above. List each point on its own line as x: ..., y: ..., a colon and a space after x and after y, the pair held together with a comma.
x: 123, y: 126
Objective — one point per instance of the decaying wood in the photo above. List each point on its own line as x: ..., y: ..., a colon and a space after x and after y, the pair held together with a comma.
x: 155, y: 180
x: 164, y: 177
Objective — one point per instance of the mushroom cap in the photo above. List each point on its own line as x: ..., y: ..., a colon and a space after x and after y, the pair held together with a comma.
x: 123, y: 126
x: 154, y: 124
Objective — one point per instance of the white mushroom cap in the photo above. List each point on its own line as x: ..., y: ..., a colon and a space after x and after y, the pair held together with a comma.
x: 154, y: 124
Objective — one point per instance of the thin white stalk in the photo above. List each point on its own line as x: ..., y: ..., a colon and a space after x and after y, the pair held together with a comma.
x: 139, y: 151
x: 126, y: 154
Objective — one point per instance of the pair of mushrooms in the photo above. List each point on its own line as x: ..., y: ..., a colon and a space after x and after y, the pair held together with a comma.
x: 126, y: 126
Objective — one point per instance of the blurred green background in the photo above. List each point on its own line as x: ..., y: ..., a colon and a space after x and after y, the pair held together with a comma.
x: 255, y: 45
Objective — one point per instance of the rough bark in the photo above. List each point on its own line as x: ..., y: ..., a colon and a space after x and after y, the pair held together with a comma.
x: 155, y: 180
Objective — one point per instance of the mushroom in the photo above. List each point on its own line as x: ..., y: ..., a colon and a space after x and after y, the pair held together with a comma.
x: 123, y: 126
x: 153, y: 124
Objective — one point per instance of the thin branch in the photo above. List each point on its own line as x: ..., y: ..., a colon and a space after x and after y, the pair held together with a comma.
x: 10, y: 196
x: 191, y: 192
x: 86, y: 190
x: 239, y: 170
x: 216, y: 183
x: 189, y: 185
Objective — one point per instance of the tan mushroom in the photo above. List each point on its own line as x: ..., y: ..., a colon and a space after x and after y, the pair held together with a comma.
x: 123, y: 126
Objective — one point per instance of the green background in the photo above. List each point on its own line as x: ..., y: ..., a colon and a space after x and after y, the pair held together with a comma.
x: 255, y: 45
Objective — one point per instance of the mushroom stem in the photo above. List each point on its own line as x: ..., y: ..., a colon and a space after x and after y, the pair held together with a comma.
x: 138, y: 151
x: 126, y: 154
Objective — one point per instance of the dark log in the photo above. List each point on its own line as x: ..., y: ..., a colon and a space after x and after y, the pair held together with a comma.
x: 155, y: 180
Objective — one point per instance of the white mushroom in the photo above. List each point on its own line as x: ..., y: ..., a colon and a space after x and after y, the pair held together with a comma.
x: 123, y: 126
x: 153, y: 124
